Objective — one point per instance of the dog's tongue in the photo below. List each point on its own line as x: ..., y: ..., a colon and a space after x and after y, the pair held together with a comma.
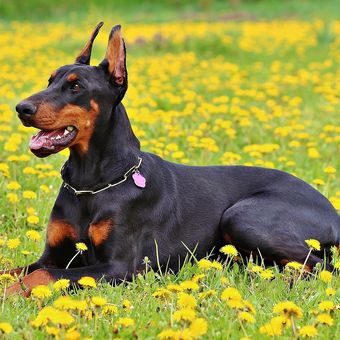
x: 45, y: 139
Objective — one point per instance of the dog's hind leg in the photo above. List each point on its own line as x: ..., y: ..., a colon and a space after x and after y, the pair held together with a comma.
x: 261, y: 226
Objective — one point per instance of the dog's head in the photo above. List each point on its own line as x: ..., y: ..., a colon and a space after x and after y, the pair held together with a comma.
x: 78, y: 98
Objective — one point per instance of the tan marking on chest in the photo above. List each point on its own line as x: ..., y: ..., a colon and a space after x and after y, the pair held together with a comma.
x: 99, y: 232
x: 59, y: 230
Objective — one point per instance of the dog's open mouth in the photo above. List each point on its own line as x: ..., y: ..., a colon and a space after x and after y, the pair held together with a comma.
x: 46, y: 142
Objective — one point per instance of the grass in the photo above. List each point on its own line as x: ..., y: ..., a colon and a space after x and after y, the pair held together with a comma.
x: 203, y: 90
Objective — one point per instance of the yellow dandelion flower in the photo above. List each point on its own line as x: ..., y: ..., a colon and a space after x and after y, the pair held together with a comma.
x: 319, y: 181
x: 267, y: 274
x: 326, y: 305
x: 330, y: 170
x: 186, y: 301
x: 198, y: 278
x: 80, y: 246
x: 198, y: 327
x: 308, y: 332
x: 189, y: 285
x: 271, y: 329
x: 61, y: 284
x: 127, y: 304
x: 187, y: 314
x: 174, y: 288
x: 41, y: 292
x: 98, y: 301
x: 44, y: 188
x: 6, y: 328
x: 294, y: 265
x: 169, y: 334
x: 5, y: 278
x: 330, y: 291
x: 231, y: 293
x: 288, y: 309
x: 325, y: 276
x: 32, y: 219
x: 13, y: 243
x: 249, y: 307
x: 72, y: 334
x: 12, y: 198
x: 125, y: 322
x: 87, y: 281
x: 52, y: 331
x: 206, y: 294
x: 236, y: 304
x: 245, y: 316
x: 313, y: 244
x: 29, y: 194
x: 325, y: 319
x: 224, y: 281
x: 337, y: 265
x: 13, y: 185
x: 206, y: 264
x: 162, y: 293
x: 257, y: 269
x: 229, y: 250
x: 33, y: 235
x: 110, y: 309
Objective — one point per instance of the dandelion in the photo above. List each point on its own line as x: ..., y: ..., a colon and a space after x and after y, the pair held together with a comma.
x: 329, y: 170
x: 189, y: 285
x: 313, y: 244
x: 206, y: 264
x: 267, y: 274
x: 231, y: 293
x: 206, y: 294
x: 33, y: 235
x: 41, y: 292
x: 198, y: 327
x: 52, y: 330
x: 110, y: 310
x: 308, y: 332
x: 80, y: 248
x: 72, y: 334
x: 229, y: 250
x: 32, y: 219
x: 13, y: 243
x: 257, y: 269
x: 288, y: 309
x: 184, y: 314
x: 325, y: 319
x: 169, y: 334
x: 127, y: 304
x: 12, y: 198
x: 162, y: 293
x: 326, y: 305
x: 246, y: 316
x: 125, y: 322
x: 29, y: 194
x: 13, y: 185
x: 6, y: 328
x: 325, y: 276
x: 61, y: 284
x: 294, y: 265
x: 186, y: 301
x: 330, y: 291
x: 98, y: 301
x: 87, y: 281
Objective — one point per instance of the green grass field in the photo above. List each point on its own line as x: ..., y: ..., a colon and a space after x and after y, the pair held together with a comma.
x: 248, y: 82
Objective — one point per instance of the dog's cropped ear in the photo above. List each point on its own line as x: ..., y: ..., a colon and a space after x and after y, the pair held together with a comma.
x: 115, y: 58
x: 85, y: 54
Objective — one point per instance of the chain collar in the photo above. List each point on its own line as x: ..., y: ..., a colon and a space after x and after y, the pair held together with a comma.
x: 110, y: 185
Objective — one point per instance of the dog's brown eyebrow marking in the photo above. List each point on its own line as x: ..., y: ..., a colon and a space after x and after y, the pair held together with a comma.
x: 72, y: 77
x: 59, y: 230
x: 100, y: 231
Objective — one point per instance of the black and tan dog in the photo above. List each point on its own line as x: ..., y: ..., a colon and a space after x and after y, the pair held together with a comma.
x: 120, y: 201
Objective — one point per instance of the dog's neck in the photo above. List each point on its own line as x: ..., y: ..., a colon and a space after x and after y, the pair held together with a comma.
x: 112, y: 151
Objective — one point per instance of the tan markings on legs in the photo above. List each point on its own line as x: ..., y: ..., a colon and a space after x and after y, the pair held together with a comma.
x: 227, y: 238
x: 59, y: 230
x: 100, y: 231
x: 25, y: 286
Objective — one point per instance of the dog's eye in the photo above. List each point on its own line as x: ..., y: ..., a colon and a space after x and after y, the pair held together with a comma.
x: 75, y: 87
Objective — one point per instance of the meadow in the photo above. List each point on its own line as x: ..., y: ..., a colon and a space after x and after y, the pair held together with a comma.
x: 217, y: 88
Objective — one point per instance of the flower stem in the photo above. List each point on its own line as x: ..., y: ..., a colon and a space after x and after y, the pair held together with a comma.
x: 78, y: 252
x: 304, y: 264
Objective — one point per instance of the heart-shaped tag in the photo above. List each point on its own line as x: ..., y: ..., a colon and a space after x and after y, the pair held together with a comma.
x: 139, y: 179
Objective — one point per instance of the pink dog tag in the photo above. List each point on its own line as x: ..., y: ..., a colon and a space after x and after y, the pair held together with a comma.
x: 139, y: 179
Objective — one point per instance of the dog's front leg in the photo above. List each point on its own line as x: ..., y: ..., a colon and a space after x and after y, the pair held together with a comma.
x: 48, y: 275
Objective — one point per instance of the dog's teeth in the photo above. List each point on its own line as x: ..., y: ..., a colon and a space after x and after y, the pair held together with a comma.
x: 70, y: 128
x: 66, y: 132
x: 58, y: 137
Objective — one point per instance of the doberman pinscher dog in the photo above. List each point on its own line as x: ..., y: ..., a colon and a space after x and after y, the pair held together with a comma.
x: 125, y: 204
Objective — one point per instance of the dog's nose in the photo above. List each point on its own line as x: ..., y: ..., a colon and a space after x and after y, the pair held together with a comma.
x: 26, y: 108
